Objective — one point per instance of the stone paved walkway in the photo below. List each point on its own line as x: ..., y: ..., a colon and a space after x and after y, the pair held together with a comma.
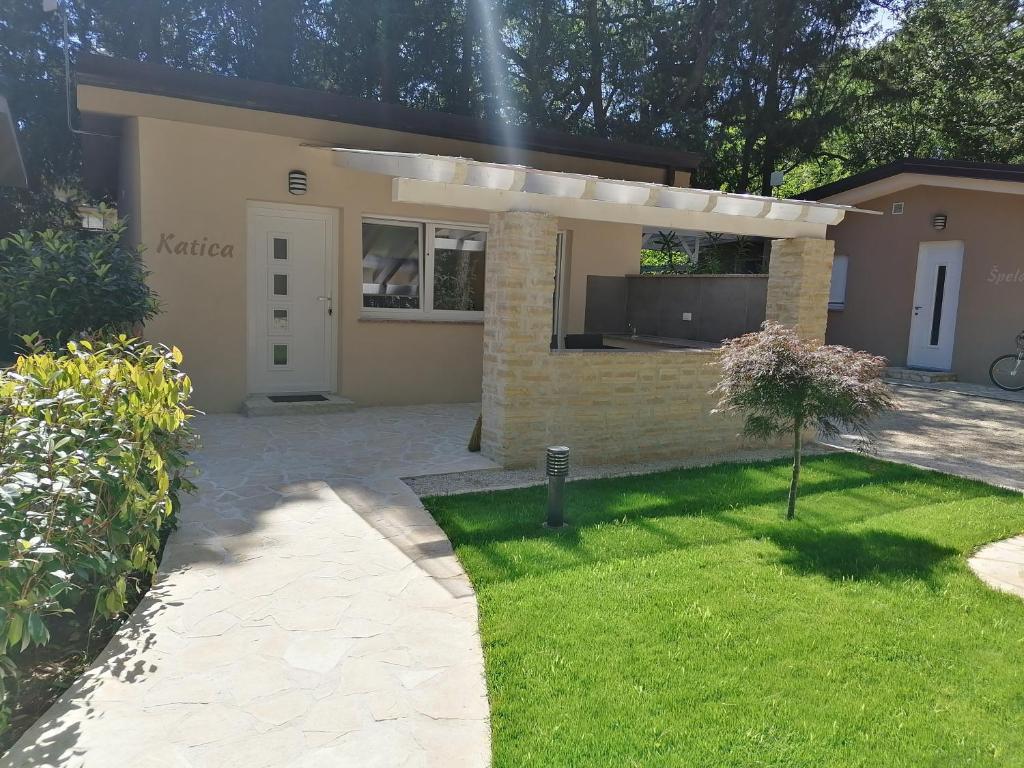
x: 952, y: 431
x: 1001, y: 565
x: 309, y: 613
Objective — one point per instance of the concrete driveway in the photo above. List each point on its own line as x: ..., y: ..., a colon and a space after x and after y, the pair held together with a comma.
x: 959, y: 429
x: 308, y: 613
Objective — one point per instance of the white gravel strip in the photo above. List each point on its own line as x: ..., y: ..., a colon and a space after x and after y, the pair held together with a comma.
x: 474, y: 481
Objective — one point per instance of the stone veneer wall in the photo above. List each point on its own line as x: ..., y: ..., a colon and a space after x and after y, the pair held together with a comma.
x: 799, y: 277
x: 609, y: 406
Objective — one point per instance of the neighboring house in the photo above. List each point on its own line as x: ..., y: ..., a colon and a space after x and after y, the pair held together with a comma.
x: 937, y: 282
x: 308, y: 244
x: 12, y: 167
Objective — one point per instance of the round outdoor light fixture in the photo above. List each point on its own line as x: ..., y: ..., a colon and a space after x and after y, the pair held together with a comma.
x: 557, y: 466
x: 297, y: 182
x: 939, y: 221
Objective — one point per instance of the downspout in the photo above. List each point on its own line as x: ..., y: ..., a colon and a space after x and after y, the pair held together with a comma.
x: 12, y: 167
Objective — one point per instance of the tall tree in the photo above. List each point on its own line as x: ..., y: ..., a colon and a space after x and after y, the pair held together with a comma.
x: 755, y: 84
x: 781, y: 49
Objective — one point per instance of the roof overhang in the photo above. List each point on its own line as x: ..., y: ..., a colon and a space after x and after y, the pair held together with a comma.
x: 894, y: 177
x: 494, y: 187
x: 12, y: 167
x: 105, y: 72
x: 901, y: 181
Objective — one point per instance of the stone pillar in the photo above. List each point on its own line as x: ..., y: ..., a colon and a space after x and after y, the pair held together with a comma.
x: 517, y: 387
x: 799, y: 276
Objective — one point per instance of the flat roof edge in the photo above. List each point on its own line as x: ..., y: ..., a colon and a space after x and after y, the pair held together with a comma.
x: 159, y: 80
x: 930, y: 167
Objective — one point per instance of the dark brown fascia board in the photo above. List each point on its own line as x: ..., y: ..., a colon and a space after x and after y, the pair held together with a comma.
x: 960, y: 168
x: 160, y: 80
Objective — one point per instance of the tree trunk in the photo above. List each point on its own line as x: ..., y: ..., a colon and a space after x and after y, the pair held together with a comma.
x: 271, y: 57
x: 709, y: 14
x: 795, y: 482
x: 389, y: 53
x: 595, y: 80
x: 148, y: 23
x: 465, y: 79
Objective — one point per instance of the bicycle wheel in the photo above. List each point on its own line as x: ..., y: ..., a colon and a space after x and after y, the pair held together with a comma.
x: 1007, y: 372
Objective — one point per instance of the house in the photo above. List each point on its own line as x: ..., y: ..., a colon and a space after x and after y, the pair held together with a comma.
x: 937, y: 282
x: 307, y: 245
x: 12, y: 167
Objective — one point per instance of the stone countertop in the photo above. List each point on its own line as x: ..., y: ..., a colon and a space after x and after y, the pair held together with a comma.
x: 642, y: 342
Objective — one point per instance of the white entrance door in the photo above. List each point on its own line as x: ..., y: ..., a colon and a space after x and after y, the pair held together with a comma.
x: 292, y: 317
x: 936, y: 296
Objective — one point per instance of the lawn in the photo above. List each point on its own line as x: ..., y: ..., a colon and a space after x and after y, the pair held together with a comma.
x: 681, y: 621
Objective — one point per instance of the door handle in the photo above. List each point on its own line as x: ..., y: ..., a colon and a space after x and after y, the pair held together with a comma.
x: 330, y: 305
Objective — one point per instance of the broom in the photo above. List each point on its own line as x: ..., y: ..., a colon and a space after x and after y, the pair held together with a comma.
x: 474, y: 439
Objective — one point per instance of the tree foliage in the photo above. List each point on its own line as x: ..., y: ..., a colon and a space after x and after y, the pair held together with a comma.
x: 60, y: 284
x: 948, y: 83
x: 784, y: 385
x: 93, y: 447
x: 809, y: 86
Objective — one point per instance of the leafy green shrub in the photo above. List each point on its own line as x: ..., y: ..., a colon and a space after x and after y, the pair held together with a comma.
x: 65, y: 283
x: 93, y: 448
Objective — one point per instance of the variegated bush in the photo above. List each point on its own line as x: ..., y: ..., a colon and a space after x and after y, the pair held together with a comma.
x: 93, y: 454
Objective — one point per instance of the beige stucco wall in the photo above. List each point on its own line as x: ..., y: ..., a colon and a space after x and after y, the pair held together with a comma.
x: 617, y: 405
x: 194, y: 180
x: 882, y: 253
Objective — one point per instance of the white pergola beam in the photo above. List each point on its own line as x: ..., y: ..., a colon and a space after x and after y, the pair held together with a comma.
x: 456, y: 182
x: 422, y: 192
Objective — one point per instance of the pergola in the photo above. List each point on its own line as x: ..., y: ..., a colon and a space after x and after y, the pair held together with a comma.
x: 607, y: 405
x: 496, y: 188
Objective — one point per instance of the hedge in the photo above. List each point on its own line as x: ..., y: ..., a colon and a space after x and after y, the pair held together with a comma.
x: 93, y: 453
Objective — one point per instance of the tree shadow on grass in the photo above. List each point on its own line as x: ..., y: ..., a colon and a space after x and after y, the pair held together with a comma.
x: 715, y: 490
x: 868, y: 555
x: 846, y: 549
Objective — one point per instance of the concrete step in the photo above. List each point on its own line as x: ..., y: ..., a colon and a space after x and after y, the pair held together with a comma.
x: 919, y: 376
x: 289, y: 405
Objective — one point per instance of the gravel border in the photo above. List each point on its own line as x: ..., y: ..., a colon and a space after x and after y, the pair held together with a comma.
x: 478, y: 480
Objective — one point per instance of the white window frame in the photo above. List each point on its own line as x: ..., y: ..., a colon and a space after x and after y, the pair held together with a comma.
x: 425, y: 312
x: 837, y: 291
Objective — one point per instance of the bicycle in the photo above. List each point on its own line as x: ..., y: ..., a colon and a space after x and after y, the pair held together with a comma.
x: 1007, y: 372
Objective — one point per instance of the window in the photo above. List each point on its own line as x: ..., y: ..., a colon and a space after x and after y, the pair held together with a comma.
x: 280, y: 249
x: 837, y: 290
x: 280, y: 285
x: 423, y: 270
x: 392, y: 262
x: 459, y: 269
x: 940, y: 290
x: 96, y: 218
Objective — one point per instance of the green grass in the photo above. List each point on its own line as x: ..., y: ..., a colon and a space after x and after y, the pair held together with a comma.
x: 681, y: 621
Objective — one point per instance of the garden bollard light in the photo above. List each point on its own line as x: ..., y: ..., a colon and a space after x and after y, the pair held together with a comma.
x: 557, y: 469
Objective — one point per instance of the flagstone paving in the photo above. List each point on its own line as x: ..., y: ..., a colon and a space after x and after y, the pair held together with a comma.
x: 1001, y: 565
x: 308, y: 612
x: 964, y: 433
